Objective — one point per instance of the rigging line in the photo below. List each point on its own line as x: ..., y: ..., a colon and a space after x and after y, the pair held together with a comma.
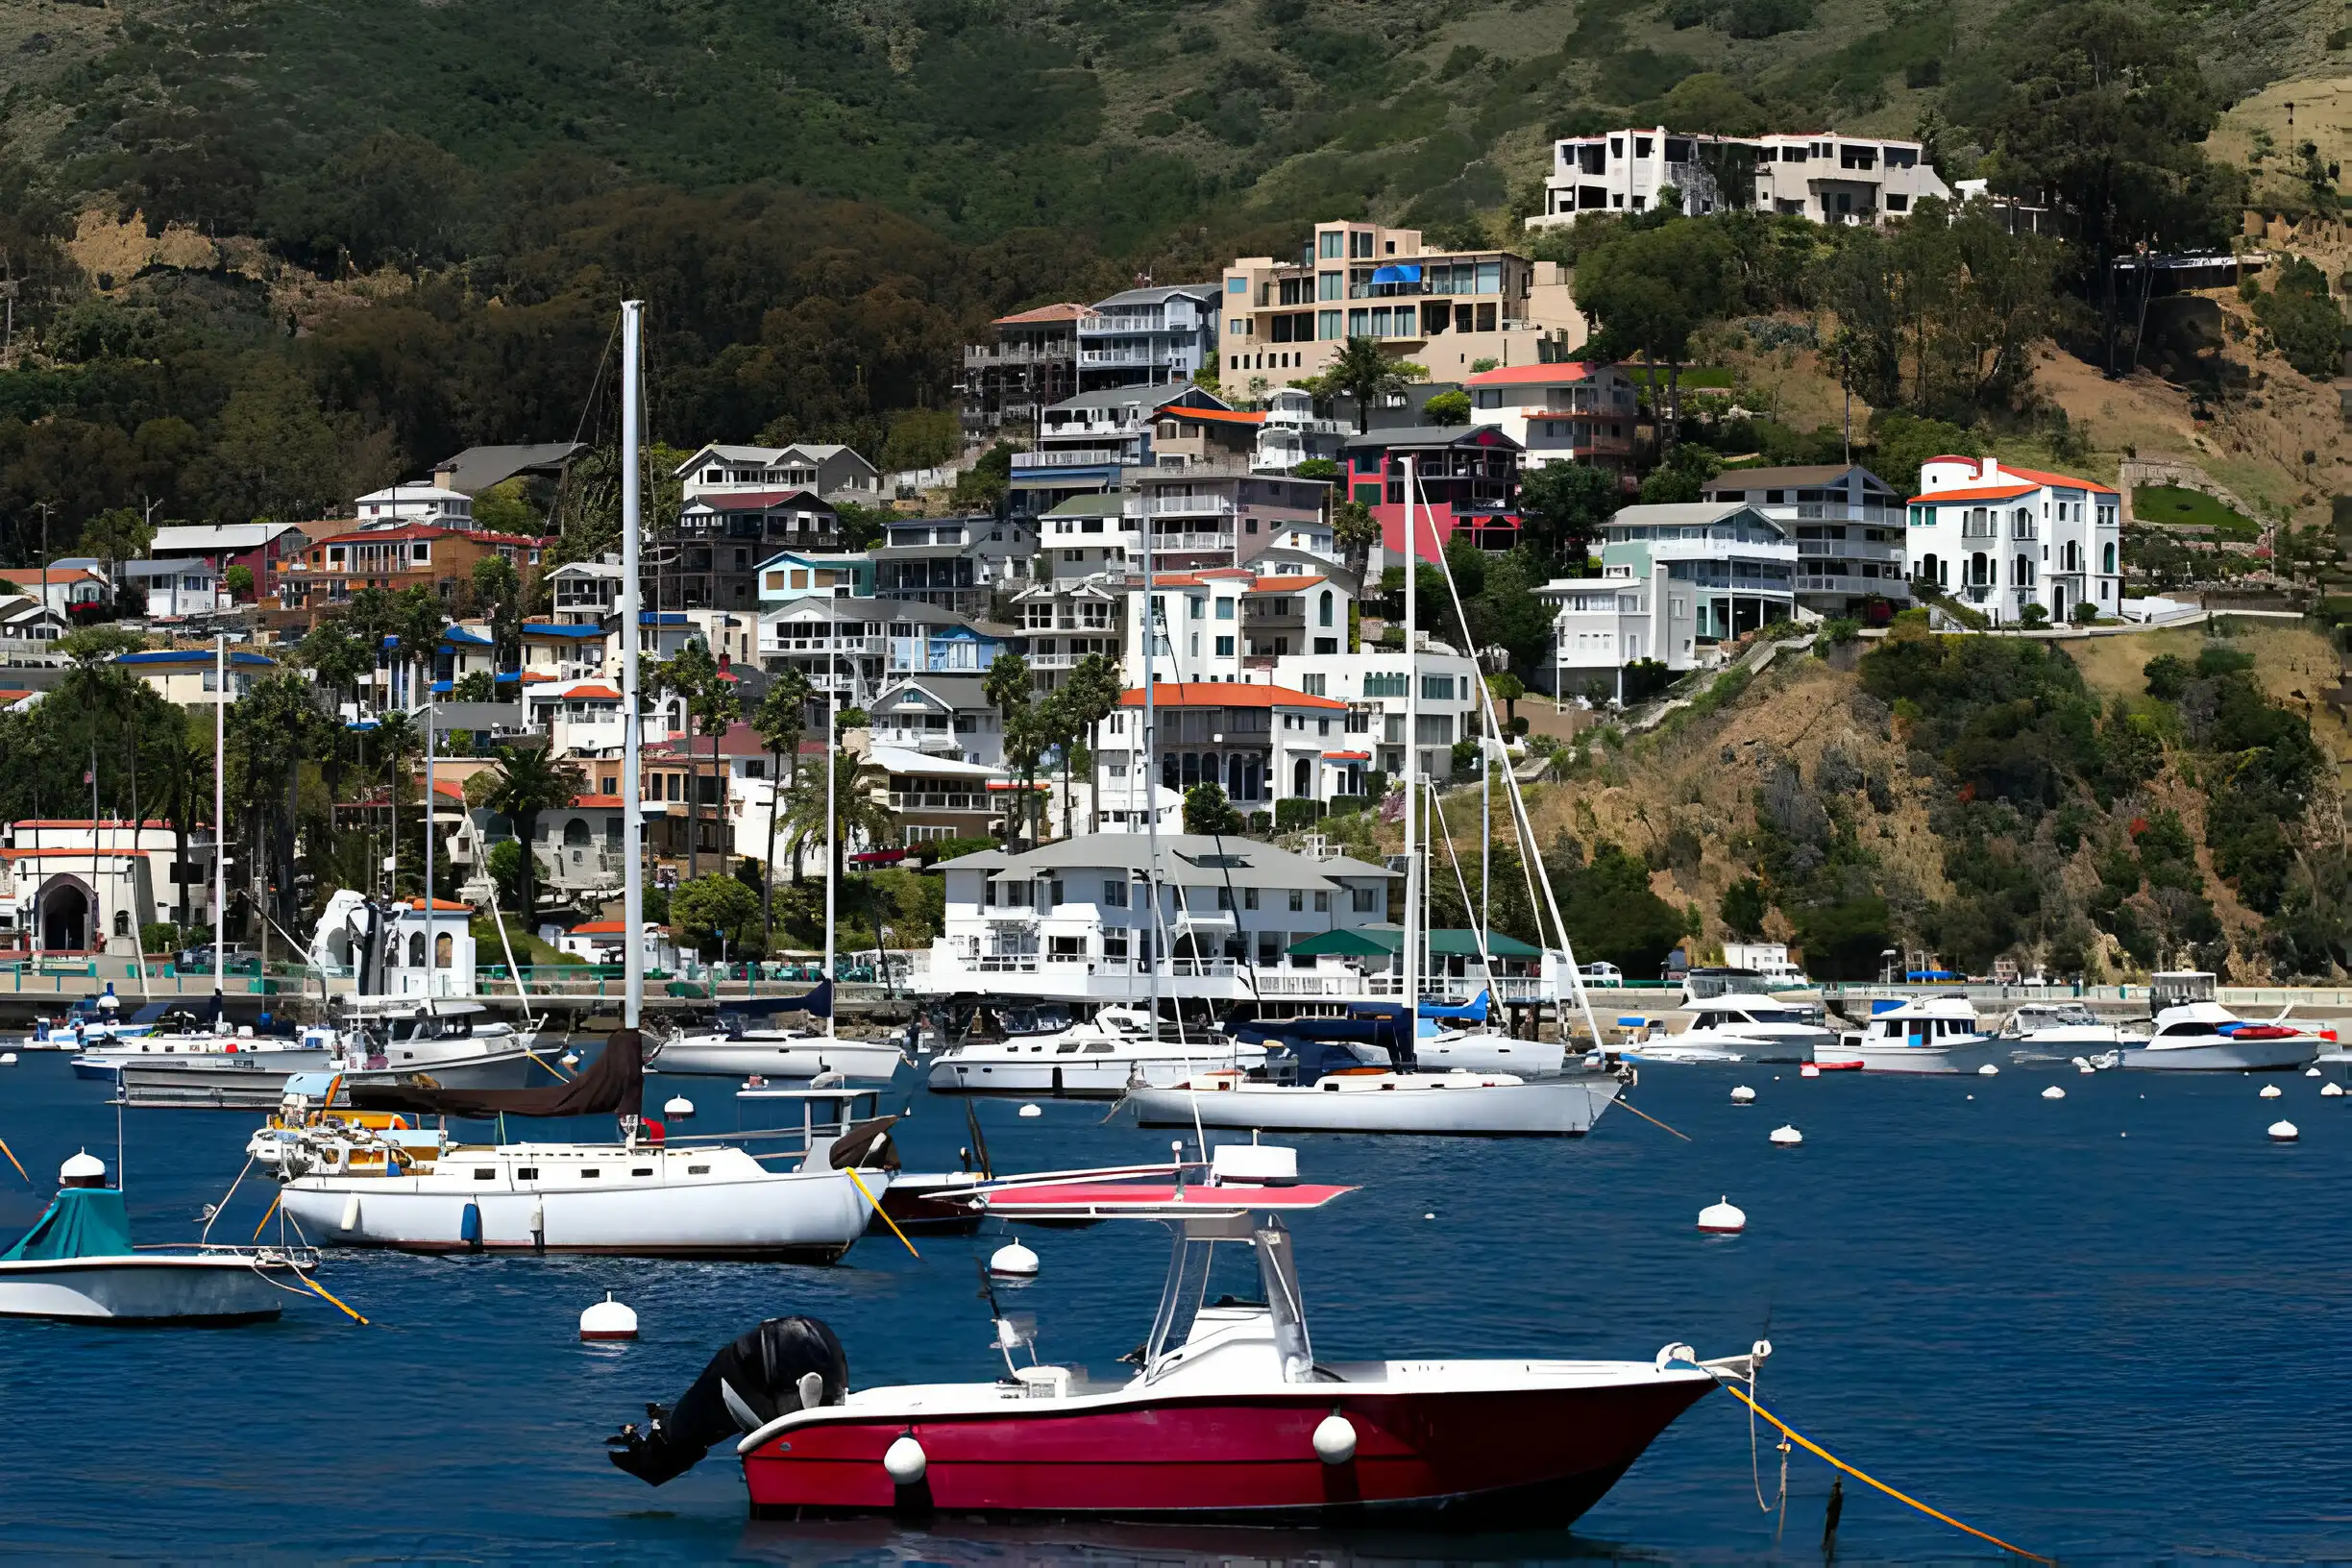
x: 13, y: 1160
x: 1732, y: 1388
x: 266, y: 1214
x: 1486, y: 963
x: 1653, y: 1121
x: 204, y: 1235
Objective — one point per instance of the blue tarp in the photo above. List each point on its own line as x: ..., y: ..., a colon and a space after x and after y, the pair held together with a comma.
x: 83, y: 1222
x: 1396, y: 275
x: 1478, y: 1007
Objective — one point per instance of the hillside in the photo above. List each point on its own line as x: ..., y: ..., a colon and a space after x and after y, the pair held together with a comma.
x: 2065, y: 818
x: 1121, y: 120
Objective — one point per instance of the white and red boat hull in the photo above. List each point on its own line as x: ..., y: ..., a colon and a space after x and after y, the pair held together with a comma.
x: 1538, y: 1454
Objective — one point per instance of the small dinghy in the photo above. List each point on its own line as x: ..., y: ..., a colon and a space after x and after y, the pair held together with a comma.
x: 77, y: 1264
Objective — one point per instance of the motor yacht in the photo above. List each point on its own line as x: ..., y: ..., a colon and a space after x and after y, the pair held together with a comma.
x: 2206, y: 1037
x: 2060, y: 1030
x: 1924, y: 1034
x: 1094, y: 1060
x: 1746, y: 1026
x: 745, y: 1042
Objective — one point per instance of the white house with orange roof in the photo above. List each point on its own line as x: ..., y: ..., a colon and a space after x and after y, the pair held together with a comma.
x: 2005, y: 539
x: 1198, y: 617
x: 606, y: 942
x: 1561, y: 413
x: 1260, y: 743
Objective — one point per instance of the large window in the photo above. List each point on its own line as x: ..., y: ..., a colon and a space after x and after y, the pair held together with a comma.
x: 1327, y: 325
x: 1332, y: 244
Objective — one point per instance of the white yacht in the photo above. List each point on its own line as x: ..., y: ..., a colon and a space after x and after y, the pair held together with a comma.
x: 1924, y: 1034
x: 1746, y: 1026
x: 2061, y: 1030
x: 737, y: 1047
x: 1094, y: 1060
x: 1441, y: 1049
x: 2206, y: 1037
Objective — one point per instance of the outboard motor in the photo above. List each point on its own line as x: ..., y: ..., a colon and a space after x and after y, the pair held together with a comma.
x: 785, y: 1364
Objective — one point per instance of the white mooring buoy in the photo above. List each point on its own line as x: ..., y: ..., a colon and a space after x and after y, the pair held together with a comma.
x: 1988, y: 1070
x: 608, y: 1320
x: 678, y: 1107
x: 2313, y: 1073
x: 1722, y: 1217
x: 8, y: 1059
x: 2284, y: 1131
x: 1014, y: 1261
x: 1786, y: 1137
x: 2330, y: 1091
x: 2272, y: 1091
x: 1031, y: 1111
x: 1743, y: 1096
x: 2053, y: 1092
x: 1810, y: 1069
x: 569, y: 1060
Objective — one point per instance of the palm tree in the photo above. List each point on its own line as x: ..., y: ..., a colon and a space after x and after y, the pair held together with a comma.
x: 397, y: 739
x: 781, y: 719
x: 418, y: 622
x: 1354, y: 530
x: 1364, y: 373
x: 714, y: 708
x: 859, y: 806
x: 1093, y: 692
x: 530, y: 781
x: 1009, y: 687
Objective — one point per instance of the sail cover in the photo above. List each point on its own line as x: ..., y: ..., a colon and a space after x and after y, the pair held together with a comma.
x: 83, y: 1222
x: 614, y: 1085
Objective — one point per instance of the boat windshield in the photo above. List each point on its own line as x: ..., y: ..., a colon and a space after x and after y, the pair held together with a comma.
x: 1279, y: 1270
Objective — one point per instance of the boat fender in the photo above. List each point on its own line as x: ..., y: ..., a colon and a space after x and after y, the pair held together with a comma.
x: 351, y: 1213
x: 905, y: 1460
x: 538, y: 1225
x: 1334, y: 1439
x: 470, y: 1227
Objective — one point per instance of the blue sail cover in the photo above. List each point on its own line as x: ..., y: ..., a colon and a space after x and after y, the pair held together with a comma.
x: 83, y: 1222
x: 816, y: 1003
x: 1479, y: 1008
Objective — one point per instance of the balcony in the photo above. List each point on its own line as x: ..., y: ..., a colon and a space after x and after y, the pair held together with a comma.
x: 1177, y: 506
x: 1164, y: 543
x: 979, y: 355
x: 1146, y: 358
x: 1123, y: 325
x: 939, y: 801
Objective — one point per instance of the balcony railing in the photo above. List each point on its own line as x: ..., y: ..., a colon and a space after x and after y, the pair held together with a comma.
x: 1124, y: 357
x: 979, y: 355
x: 1177, y: 506
x: 1166, y: 541
x: 942, y: 801
x: 1071, y: 457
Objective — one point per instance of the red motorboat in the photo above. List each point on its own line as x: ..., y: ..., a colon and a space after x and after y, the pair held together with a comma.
x: 1228, y: 1416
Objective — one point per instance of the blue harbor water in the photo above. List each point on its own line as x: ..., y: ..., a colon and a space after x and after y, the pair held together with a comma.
x: 2107, y: 1329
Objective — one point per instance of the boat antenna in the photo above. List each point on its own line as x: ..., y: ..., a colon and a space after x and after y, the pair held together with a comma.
x: 632, y: 729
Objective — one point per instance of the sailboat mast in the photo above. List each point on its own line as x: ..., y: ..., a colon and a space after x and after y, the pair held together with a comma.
x: 220, y: 825
x: 832, y: 827
x: 1149, y: 764
x: 1407, y: 955
x: 433, y: 947
x: 632, y: 729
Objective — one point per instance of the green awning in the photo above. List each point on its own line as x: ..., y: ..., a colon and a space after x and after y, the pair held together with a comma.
x: 1384, y: 941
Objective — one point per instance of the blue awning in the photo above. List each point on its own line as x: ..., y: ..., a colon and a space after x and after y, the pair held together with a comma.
x: 1396, y: 275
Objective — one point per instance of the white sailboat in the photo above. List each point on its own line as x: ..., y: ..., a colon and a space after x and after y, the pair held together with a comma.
x: 1360, y: 1096
x: 371, y: 1177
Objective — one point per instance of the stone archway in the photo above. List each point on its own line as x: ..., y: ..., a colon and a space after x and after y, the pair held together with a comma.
x: 65, y: 916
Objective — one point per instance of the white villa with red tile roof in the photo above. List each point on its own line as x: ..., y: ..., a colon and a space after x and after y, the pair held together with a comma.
x: 1572, y: 412
x: 1260, y: 743
x: 2001, y: 538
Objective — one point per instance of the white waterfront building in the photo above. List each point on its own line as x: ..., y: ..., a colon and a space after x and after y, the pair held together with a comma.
x: 2001, y: 538
x: 1675, y: 580
x: 1072, y: 921
x: 1818, y: 175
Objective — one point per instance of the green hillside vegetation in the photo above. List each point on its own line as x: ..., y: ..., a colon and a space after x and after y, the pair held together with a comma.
x: 2169, y: 503
x: 440, y: 204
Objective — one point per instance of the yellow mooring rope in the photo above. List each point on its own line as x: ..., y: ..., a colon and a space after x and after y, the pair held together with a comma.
x: 851, y: 1171
x: 1815, y: 1449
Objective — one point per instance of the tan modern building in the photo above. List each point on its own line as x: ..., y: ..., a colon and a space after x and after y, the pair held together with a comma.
x: 1448, y: 312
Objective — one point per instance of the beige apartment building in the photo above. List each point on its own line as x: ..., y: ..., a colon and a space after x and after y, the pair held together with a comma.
x: 1445, y: 310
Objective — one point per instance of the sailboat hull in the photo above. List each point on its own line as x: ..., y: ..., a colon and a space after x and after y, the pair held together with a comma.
x: 716, y: 1056
x: 1557, y: 1109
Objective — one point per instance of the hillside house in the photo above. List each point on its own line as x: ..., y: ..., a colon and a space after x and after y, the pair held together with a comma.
x: 2007, y: 539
